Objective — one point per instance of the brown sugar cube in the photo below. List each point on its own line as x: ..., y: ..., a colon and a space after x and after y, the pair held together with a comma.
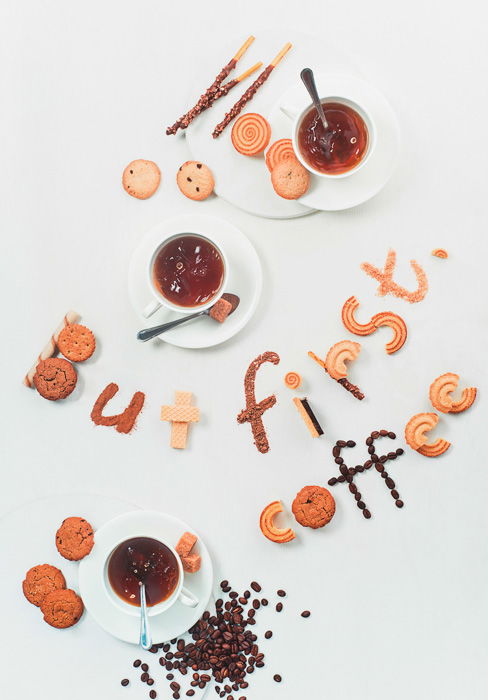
x: 220, y: 310
x: 191, y: 563
x: 185, y: 544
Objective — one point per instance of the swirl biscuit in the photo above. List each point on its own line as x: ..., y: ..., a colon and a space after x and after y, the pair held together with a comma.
x: 62, y: 608
x: 74, y: 539
x: 55, y: 378
x: 40, y: 581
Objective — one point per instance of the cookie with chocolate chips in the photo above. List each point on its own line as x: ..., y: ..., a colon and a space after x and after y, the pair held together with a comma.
x: 313, y: 506
x: 74, y: 539
x: 40, y: 581
x: 195, y: 180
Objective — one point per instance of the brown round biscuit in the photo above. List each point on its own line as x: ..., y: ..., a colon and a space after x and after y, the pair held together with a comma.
x: 195, y: 180
x: 141, y: 178
x: 74, y: 539
x: 41, y: 580
x: 290, y: 179
x: 62, y: 608
x: 313, y: 506
x: 55, y: 378
x: 76, y: 342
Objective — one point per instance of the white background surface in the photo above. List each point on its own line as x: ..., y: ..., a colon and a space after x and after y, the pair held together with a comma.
x: 398, y: 603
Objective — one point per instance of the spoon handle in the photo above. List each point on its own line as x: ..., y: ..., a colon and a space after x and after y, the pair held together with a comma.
x: 145, y: 636
x: 309, y: 81
x: 148, y: 333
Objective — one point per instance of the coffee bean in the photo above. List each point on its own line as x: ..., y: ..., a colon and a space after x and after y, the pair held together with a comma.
x: 281, y: 593
x: 255, y: 586
x: 268, y: 634
x: 375, y: 458
x: 341, y: 479
x: 360, y: 468
x: 233, y: 595
x: 375, y: 434
x: 162, y: 660
x: 391, y: 455
x: 379, y: 467
x: 371, y: 450
x: 349, y: 479
x: 390, y: 483
x: 153, y: 694
x: 357, y: 496
x: 336, y: 451
x: 341, y: 443
x: 332, y: 481
x: 395, y: 494
x: 190, y: 692
x: 169, y: 676
x: 256, y: 604
x: 383, y: 458
x: 391, y: 435
x: 264, y: 602
x: 351, y: 443
x: 399, y: 503
x: 351, y: 471
x: 369, y: 441
x: 383, y: 433
x: 343, y: 469
x: 361, y: 504
x: 154, y: 649
x: 353, y: 488
x: 384, y: 474
x: 277, y: 677
x: 150, y: 681
x: 366, y: 514
x: 399, y: 451
x: 145, y: 667
x: 306, y: 613
x: 279, y: 607
x: 224, y: 583
x: 137, y: 663
x: 368, y: 464
x: 144, y: 677
x: 339, y: 460
x: 124, y: 682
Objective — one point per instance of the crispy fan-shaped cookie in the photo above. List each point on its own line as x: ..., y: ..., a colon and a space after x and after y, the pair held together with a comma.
x: 340, y: 353
x: 440, y: 253
x: 269, y: 530
x: 415, y: 436
x: 417, y: 426
x: 434, y: 449
x: 440, y: 394
x: 388, y: 318
x: 350, y: 322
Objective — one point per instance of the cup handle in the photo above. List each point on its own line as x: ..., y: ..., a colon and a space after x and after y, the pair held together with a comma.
x: 151, y: 308
x: 290, y: 112
x: 188, y: 598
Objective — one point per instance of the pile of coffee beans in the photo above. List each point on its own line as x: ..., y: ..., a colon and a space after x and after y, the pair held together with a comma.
x: 223, y: 648
x: 347, y: 474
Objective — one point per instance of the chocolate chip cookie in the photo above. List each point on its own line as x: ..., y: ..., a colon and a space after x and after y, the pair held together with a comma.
x: 313, y: 506
x: 62, y: 609
x: 74, y: 539
x: 40, y: 581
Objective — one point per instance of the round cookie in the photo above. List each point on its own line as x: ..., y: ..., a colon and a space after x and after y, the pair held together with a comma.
x: 40, y: 581
x: 195, y: 180
x: 290, y: 179
x: 62, y: 609
x: 74, y: 539
x: 55, y: 378
x: 313, y: 506
x: 76, y: 342
x: 141, y: 178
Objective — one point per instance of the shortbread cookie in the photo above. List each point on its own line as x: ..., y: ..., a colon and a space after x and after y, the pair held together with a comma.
x: 55, y: 378
x: 290, y: 179
x: 62, y: 608
x: 40, y: 581
x: 141, y: 178
x: 76, y: 342
x: 74, y: 539
x: 313, y: 506
x: 272, y: 531
x: 195, y: 180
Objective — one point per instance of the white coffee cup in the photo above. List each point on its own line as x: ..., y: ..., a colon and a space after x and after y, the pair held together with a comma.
x: 180, y: 593
x: 297, y: 116
x: 159, y: 299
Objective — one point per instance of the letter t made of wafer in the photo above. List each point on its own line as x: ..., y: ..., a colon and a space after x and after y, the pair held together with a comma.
x: 180, y: 415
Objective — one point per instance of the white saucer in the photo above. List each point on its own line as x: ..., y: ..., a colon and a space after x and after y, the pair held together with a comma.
x: 330, y: 194
x: 244, y: 279
x: 242, y: 180
x: 171, y: 623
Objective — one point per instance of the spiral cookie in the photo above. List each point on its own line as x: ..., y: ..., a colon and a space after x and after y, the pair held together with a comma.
x: 293, y: 380
x: 251, y: 134
x: 278, y: 152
